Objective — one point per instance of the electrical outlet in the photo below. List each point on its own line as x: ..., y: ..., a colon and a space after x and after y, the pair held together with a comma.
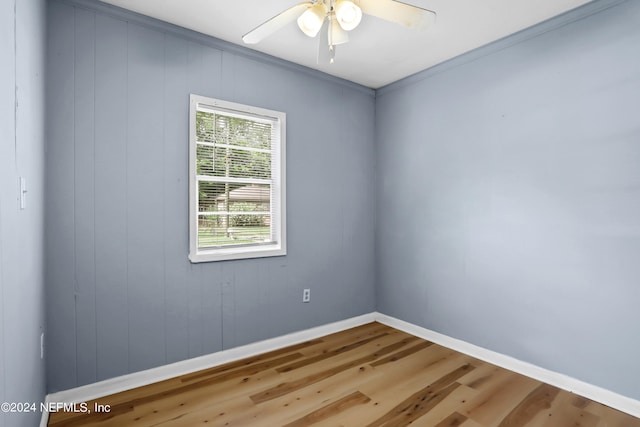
x: 306, y: 295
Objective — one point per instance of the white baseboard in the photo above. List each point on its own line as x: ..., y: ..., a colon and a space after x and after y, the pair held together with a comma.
x: 139, y: 379
x: 150, y: 376
x: 595, y: 393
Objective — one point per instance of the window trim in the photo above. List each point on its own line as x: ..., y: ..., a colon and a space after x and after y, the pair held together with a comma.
x: 196, y: 254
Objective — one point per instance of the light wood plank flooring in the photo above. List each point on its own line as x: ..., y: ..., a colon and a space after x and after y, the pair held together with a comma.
x: 372, y: 375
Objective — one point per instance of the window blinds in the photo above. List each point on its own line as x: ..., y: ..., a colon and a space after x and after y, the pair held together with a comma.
x: 237, y: 176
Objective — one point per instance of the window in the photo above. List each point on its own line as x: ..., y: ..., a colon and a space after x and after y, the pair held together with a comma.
x: 237, y: 181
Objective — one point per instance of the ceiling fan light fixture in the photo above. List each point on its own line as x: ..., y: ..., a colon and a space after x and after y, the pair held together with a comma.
x: 312, y: 19
x: 337, y: 34
x: 348, y: 14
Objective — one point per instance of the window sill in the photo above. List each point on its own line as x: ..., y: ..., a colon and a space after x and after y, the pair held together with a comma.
x: 226, y: 254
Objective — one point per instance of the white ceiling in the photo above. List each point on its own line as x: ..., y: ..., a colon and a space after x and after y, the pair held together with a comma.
x: 378, y: 52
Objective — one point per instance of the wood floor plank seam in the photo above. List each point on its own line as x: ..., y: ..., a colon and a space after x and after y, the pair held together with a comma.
x: 248, y: 362
x: 331, y: 410
x: 452, y: 420
x: 331, y: 353
x: 402, y: 354
x: 536, y: 401
x: 290, y: 386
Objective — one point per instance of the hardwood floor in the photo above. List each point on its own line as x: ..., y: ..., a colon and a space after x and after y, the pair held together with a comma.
x: 372, y: 375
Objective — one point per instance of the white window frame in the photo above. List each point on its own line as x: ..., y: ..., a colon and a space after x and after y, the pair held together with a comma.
x: 221, y: 253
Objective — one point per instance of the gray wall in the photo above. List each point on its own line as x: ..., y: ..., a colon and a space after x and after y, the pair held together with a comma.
x: 122, y: 295
x: 506, y: 197
x: 22, y: 377
x: 509, y: 203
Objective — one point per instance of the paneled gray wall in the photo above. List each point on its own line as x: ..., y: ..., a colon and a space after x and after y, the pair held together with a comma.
x: 122, y: 295
x: 22, y: 59
x: 509, y: 204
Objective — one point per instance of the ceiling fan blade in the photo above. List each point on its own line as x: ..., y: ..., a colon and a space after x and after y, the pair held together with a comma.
x: 274, y: 24
x: 399, y: 13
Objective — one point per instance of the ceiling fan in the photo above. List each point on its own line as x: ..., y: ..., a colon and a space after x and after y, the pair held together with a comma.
x: 334, y: 18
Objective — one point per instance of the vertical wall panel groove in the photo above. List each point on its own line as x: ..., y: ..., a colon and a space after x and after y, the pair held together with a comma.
x: 175, y: 199
x: 111, y: 186
x: 60, y: 244
x: 144, y: 197
x: 84, y: 195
